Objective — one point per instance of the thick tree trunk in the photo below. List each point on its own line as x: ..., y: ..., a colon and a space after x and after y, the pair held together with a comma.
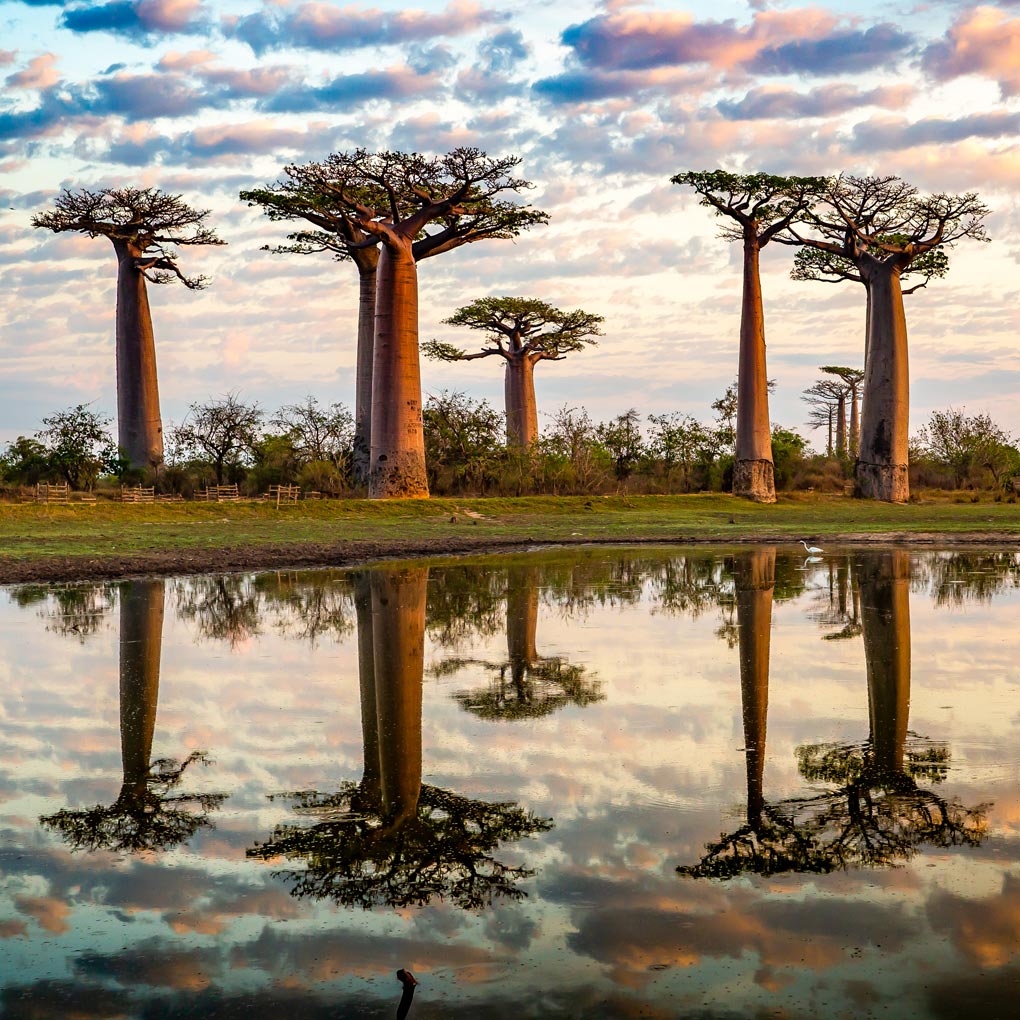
x: 398, y: 629
x: 398, y: 444
x: 521, y: 409
x: 855, y: 428
x: 139, y: 426
x: 141, y: 638
x: 754, y: 582
x: 753, y: 474
x: 363, y: 376
x: 885, y: 620
x: 841, y: 427
x: 882, y: 458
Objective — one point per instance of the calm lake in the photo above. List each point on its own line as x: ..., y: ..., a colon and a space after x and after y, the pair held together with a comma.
x: 656, y: 782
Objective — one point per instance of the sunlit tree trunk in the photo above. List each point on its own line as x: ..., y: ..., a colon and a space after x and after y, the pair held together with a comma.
x: 139, y: 426
x: 366, y: 263
x: 855, y: 427
x: 885, y: 620
x: 755, y: 581
x: 841, y: 427
x: 398, y: 629
x: 753, y: 474
x: 398, y: 442
x: 141, y: 638
x: 521, y: 408
x: 882, y: 458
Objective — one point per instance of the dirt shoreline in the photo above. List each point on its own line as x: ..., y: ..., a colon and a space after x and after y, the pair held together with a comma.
x: 353, y: 553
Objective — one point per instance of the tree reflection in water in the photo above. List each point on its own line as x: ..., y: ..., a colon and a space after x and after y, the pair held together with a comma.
x: 148, y: 814
x: 526, y: 685
x: 390, y: 840
x: 877, y: 815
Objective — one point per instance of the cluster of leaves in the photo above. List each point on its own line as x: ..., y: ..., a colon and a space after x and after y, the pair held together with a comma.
x: 968, y: 450
x: 74, y: 446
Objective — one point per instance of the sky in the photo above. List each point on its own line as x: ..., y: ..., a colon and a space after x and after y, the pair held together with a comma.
x: 603, y: 102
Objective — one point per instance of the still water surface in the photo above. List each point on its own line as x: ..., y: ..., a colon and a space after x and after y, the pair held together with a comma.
x: 606, y: 783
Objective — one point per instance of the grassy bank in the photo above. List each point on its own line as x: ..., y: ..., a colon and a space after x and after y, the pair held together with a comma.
x: 107, y: 539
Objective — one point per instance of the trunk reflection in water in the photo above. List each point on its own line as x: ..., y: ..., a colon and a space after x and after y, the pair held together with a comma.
x: 390, y: 840
x: 148, y: 814
x: 877, y: 815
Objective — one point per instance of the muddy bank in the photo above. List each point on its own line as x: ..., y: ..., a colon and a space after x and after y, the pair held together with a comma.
x: 345, y: 554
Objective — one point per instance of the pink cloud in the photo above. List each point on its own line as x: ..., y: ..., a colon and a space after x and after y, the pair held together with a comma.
x: 41, y: 73
x: 174, y: 61
x: 168, y: 15
x: 981, y: 41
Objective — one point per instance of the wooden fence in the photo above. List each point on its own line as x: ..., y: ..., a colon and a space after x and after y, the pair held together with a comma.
x: 52, y: 492
x: 138, y: 494
x: 219, y: 494
x: 283, y: 495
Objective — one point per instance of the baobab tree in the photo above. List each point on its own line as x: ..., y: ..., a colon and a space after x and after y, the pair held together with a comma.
x: 146, y: 226
x: 881, y: 225
x: 761, y: 207
x: 395, y: 209
x: 852, y: 378
x: 522, y: 331
x: 827, y: 400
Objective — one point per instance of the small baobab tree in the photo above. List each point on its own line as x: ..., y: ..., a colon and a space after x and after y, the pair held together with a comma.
x: 882, y: 226
x: 852, y: 379
x: 146, y: 226
x: 761, y: 207
x: 411, y: 207
x: 827, y: 402
x: 523, y: 332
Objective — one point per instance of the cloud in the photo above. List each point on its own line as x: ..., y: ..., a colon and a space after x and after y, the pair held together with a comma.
x: 139, y: 20
x: 399, y: 82
x: 41, y: 73
x: 844, y: 52
x: 766, y: 102
x: 896, y: 133
x: 322, y: 26
x: 981, y: 41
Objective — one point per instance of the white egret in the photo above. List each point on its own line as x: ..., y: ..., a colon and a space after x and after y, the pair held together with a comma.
x: 812, y: 549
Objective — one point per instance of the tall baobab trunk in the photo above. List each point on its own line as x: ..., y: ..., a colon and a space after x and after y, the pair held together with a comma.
x: 755, y: 581
x: 139, y: 426
x: 854, y: 439
x: 882, y: 458
x: 141, y: 637
x: 841, y: 427
x: 398, y: 628
x: 367, y: 262
x: 885, y: 619
x: 521, y: 408
x: 753, y: 473
x: 398, y: 442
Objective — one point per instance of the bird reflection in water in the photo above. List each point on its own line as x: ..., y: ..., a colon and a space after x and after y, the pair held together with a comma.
x: 390, y: 839
x: 149, y: 813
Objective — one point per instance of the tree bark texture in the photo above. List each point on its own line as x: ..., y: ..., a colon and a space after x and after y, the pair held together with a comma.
x: 141, y: 639
x: 398, y: 629
x: 755, y: 582
x: 753, y: 473
x: 885, y: 621
x: 363, y: 371
x: 841, y: 427
x: 882, y: 458
x: 139, y: 426
x: 521, y: 408
x: 855, y: 426
x: 398, y: 442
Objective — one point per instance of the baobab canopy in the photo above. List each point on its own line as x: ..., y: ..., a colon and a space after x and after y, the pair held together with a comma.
x: 523, y: 331
x: 145, y: 226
